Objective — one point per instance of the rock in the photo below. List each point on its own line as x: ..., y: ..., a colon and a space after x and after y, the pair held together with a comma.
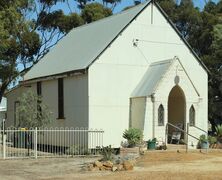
x: 127, y: 165
x: 90, y: 167
x: 102, y: 168
x: 98, y: 164
x: 108, y: 164
x: 133, y: 161
x: 114, y: 168
x: 107, y: 168
x: 119, y: 167
x: 95, y: 169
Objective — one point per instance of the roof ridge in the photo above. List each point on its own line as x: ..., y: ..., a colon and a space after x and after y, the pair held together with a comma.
x: 109, y: 17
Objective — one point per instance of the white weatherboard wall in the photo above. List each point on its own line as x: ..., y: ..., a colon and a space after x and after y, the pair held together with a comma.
x: 75, y: 101
x: 137, y: 112
x: 3, y: 107
x: 12, y: 97
x: 116, y: 73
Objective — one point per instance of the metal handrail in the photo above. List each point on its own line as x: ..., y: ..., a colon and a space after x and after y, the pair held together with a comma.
x: 183, y: 131
x: 200, y: 129
x: 187, y: 134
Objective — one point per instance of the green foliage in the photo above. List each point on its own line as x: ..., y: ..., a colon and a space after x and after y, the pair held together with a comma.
x: 32, y: 112
x: 17, y: 41
x: 203, y: 138
x: 133, y: 136
x: 219, y: 130
x: 95, y: 11
x: 107, y: 153
x: 58, y: 20
x: 212, y: 139
x: 28, y: 29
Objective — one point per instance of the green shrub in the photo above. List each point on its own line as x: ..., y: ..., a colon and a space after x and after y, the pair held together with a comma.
x: 133, y: 136
x: 212, y: 139
x: 219, y: 130
x: 203, y: 138
x: 107, y: 153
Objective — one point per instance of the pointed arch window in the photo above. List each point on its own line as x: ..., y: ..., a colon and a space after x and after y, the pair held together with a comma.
x: 192, y: 116
x: 161, y: 115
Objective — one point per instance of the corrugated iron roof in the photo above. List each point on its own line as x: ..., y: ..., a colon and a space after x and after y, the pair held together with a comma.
x: 152, y: 77
x: 81, y: 46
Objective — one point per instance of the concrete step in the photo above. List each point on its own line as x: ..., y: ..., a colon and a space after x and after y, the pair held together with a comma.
x: 176, y: 147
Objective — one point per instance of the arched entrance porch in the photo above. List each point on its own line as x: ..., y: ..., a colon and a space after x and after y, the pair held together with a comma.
x: 176, y: 110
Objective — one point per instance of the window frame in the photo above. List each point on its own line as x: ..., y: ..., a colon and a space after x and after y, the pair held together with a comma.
x: 61, y: 98
x: 192, y: 116
x: 161, y: 115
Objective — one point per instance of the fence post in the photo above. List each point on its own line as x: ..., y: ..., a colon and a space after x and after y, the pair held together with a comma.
x: 188, y: 125
x: 4, y: 145
x: 36, y: 143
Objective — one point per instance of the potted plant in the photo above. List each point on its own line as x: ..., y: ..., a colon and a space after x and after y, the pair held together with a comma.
x: 151, y: 144
x: 219, y: 133
x: 133, y: 136
x: 203, y: 142
x: 212, y: 141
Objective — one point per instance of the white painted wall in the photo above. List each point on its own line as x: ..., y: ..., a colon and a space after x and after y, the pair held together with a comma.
x: 75, y: 101
x: 12, y: 97
x: 137, y: 112
x: 149, y: 123
x: 3, y: 107
x: 114, y: 76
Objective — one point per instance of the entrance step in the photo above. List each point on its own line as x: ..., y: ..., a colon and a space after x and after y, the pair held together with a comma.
x: 176, y: 147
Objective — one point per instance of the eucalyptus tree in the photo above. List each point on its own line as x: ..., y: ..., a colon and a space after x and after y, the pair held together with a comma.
x: 29, y: 28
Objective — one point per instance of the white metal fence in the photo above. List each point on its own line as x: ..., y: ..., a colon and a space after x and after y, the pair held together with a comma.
x: 52, y: 142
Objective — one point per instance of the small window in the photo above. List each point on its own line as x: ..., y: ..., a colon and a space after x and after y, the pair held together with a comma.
x: 161, y: 115
x: 192, y: 116
x: 39, y: 93
x: 39, y: 88
x: 16, y: 114
x: 60, y: 99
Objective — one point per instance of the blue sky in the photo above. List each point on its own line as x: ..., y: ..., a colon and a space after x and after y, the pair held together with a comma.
x: 125, y: 3
x: 120, y: 6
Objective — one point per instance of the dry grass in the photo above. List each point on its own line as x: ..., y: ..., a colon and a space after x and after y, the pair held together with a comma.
x: 153, y: 165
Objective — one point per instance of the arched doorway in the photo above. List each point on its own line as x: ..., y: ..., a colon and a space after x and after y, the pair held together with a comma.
x: 177, y: 109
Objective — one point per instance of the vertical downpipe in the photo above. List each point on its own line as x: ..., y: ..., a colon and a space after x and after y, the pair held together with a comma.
x: 188, y: 125
x: 153, y: 101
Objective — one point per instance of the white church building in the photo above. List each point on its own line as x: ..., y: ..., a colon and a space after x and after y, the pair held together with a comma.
x: 132, y: 69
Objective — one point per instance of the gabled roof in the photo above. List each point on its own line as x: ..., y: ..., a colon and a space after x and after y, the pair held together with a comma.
x: 83, y: 45
x: 153, y: 77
